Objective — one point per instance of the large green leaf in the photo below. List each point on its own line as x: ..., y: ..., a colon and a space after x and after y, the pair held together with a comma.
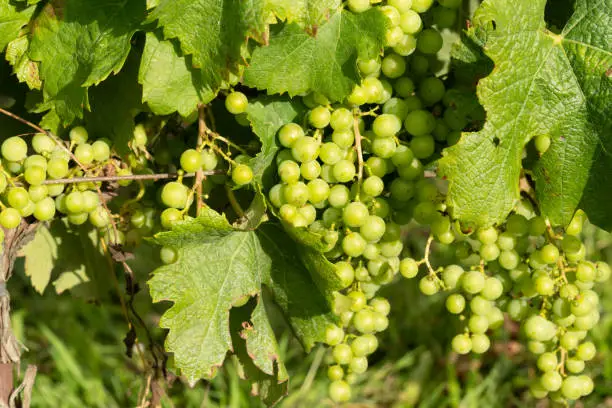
x: 213, y: 32
x: 217, y: 268
x: 542, y: 83
x: 12, y: 18
x: 170, y: 83
x: 298, y: 62
x: 78, y: 44
x: 267, y: 115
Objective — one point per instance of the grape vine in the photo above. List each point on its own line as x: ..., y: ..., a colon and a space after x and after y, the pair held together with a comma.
x: 284, y: 158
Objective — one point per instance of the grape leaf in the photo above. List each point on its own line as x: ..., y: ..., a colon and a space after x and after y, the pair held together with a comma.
x: 307, y: 13
x: 297, y: 63
x: 12, y: 19
x: 114, y: 103
x: 24, y: 68
x: 219, y: 266
x: 257, y: 352
x: 68, y: 255
x: 542, y: 83
x: 267, y: 115
x: 213, y: 32
x: 78, y: 44
x: 169, y: 82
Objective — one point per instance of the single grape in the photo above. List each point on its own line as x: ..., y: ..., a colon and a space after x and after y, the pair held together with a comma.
x: 319, y: 117
x: 455, y: 303
x: 84, y: 153
x: 242, y: 174
x: 420, y: 123
x: 35, y: 175
x: 473, y: 282
x: 480, y: 343
x: 78, y: 135
x: 175, y: 195
x: 18, y: 197
x: 191, y: 160
x: 539, y: 328
x: 45, y: 209
x: 10, y: 218
x: 428, y: 286
x: 344, y: 171
x: 41, y: 143
x: 339, y: 391
x: 57, y: 168
x: 363, y: 321
x: 14, y: 149
x: 353, y: 244
x: 236, y: 102
x: 461, y: 344
x: 373, y: 228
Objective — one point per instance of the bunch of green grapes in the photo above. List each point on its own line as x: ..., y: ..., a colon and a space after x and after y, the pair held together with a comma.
x: 28, y: 171
x: 539, y: 276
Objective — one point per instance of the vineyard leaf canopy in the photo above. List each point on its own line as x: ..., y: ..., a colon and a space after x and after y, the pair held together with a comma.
x: 217, y: 268
x: 78, y: 44
x: 213, y: 32
x: 298, y: 62
x: 542, y: 84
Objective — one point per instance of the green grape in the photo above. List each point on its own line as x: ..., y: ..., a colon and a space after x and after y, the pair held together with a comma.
x: 373, y: 186
x: 90, y: 201
x: 480, y: 343
x: 339, y: 391
x: 330, y: 153
x: 444, y: 17
x: 539, y: 328
x: 175, y: 195
x: 57, y: 168
x: 381, y: 207
x: 455, y: 303
x: 319, y: 117
x: 478, y: 324
x: 373, y: 88
x: 34, y: 175
x: 358, y: 96
x: 318, y: 190
x: 345, y: 272
x: 402, y: 190
x: 461, y: 344
x: 493, y: 289
x: 429, y: 41
x: 381, y: 322
x: 10, y: 218
x: 101, y: 151
x: 419, y: 123
x: 451, y: 276
x: 423, y: 146
x: 537, y: 226
x: 341, y: 119
x: 585, y: 272
x: 547, y: 362
x: 296, y: 194
x: 409, y: 268
x: 544, y: 285
x: 309, y: 213
x: 74, y: 202
x: 386, y: 125
x: 168, y: 255
x: 586, y: 351
x: 209, y: 160
x: 242, y: 174
x: 78, y: 135
x: 353, y: 244
x: 35, y: 160
x: 574, y: 365
x: 393, y: 66
x: 572, y: 387
x: 139, y: 138
x: 363, y: 321
x: 305, y: 149
x: 431, y: 90
x: 124, y: 172
x: 84, y: 153
x: 37, y: 193
x: 334, y: 335
x: 551, y: 381
x: 384, y: 147
x: 289, y: 171
x: 44, y: 209
x: 344, y: 171
x: 335, y: 373
x: 18, y: 197
x: 549, y: 254
x: 480, y: 306
x: 289, y: 134
x: 473, y: 282
x: 410, y: 22
x: 236, y: 103
x: 496, y: 318
x: 28, y: 209
x: 373, y: 228
x: 43, y: 144
x: 404, y: 87
x: 602, y: 272
x: 14, y: 149
x: 401, y: 5
x: 191, y: 160
x: 428, y: 286
x: 358, y: 6
x: 517, y: 224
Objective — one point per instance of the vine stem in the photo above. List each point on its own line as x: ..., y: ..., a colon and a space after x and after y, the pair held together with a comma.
x: 156, y: 176
x: 200, y: 174
x: 359, y: 154
x: 234, y: 203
